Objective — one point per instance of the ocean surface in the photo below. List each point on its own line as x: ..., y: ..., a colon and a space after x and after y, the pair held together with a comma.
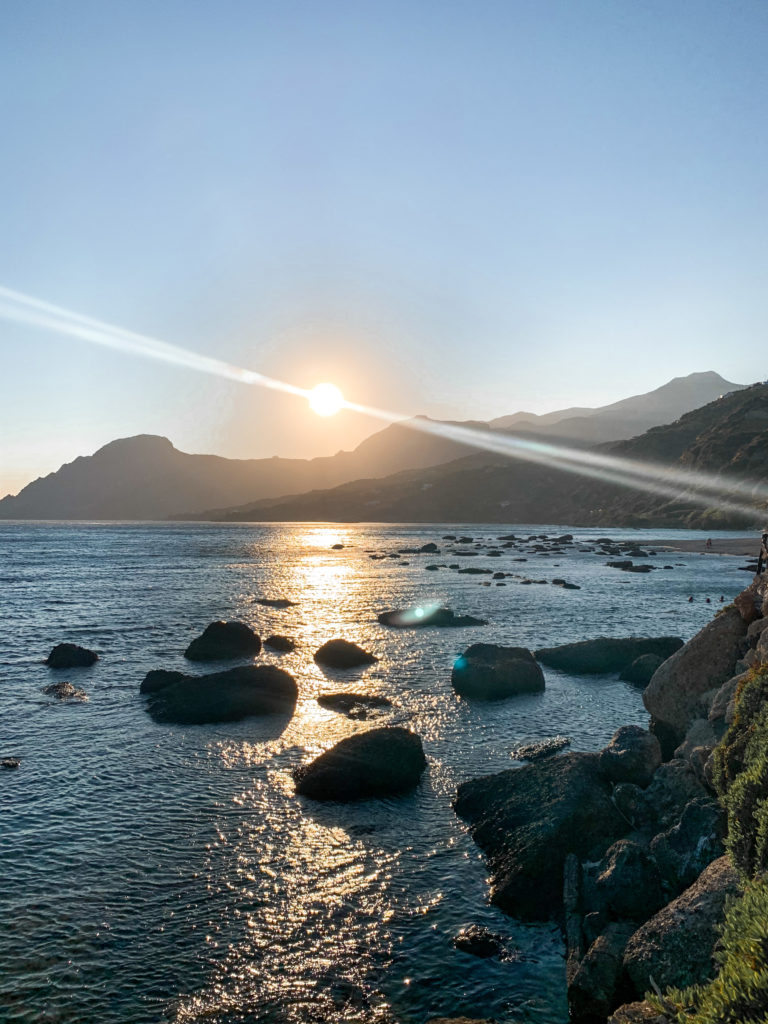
x: 156, y: 873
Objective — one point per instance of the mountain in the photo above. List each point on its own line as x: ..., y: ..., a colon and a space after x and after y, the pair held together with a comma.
x: 727, y: 438
x: 145, y: 477
x: 628, y: 417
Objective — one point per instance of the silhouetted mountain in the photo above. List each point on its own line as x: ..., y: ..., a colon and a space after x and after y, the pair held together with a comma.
x: 627, y: 418
x: 727, y: 437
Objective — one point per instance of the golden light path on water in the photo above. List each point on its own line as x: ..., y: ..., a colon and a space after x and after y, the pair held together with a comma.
x: 726, y: 493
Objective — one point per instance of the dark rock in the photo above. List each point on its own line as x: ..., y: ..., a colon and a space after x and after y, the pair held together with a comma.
x: 337, y: 547
x: 491, y: 672
x: 343, y: 654
x: 223, y: 641
x: 640, y: 671
x: 628, y: 882
x: 638, y: 1013
x: 675, y: 947
x: 379, y: 762
x: 499, y: 575
x: 283, y: 602
x: 158, y: 678
x: 673, y: 786
x: 592, y: 990
x: 633, y: 755
x: 605, y: 654
x: 10, y: 763
x: 354, y: 705
x: 280, y: 643
x: 640, y: 568
x: 478, y: 941
x: 429, y: 549
x: 474, y: 570
x: 623, y: 564
x: 540, y: 748
x: 459, y: 1020
x: 418, y: 617
x: 224, y: 696
x: 687, y: 848
x: 65, y: 691
x: 70, y: 656
x: 528, y: 819
x: 674, y: 693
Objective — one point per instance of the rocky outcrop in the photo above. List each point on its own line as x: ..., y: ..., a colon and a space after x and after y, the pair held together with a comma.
x: 492, y: 672
x: 221, y: 696
x: 380, y: 762
x: 686, y: 849
x: 224, y: 641
x: 605, y: 654
x: 592, y: 989
x: 674, y: 695
x: 539, y: 749
x: 418, y: 617
x: 528, y: 819
x: 627, y: 883
x: 71, y: 656
x: 633, y: 755
x: 353, y: 705
x: 478, y: 941
x: 340, y: 653
x: 158, y: 678
x: 65, y: 691
x: 675, y: 946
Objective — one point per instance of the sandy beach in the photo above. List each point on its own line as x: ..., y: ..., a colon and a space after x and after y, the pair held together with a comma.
x: 746, y: 546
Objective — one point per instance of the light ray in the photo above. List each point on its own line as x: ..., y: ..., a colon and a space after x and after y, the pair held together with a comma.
x: 672, y: 482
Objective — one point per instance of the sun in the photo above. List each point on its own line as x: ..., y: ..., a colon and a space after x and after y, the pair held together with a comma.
x: 326, y: 399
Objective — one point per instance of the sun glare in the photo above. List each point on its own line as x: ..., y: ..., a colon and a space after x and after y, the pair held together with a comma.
x: 325, y: 399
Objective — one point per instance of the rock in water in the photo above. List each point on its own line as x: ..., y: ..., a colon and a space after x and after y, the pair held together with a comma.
x: 10, y: 763
x: 491, y: 672
x: 354, y: 705
x: 223, y: 641
x: 275, y: 602
x: 418, y: 616
x: 284, y: 644
x: 528, y: 819
x: 640, y: 671
x: 343, y: 654
x: 633, y: 755
x: 221, y: 696
x: 70, y: 656
x: 478, y: 941
x: 65, y: 691
x: 158, y: 678
x: 675, y: 947
x: 605, y: 654
x: 538, y: 749
x: 379, y: 762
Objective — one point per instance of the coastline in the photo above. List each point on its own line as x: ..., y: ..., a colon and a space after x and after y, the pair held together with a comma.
x: 748, y: 546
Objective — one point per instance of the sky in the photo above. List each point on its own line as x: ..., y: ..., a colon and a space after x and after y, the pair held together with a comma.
x: 461, y: 209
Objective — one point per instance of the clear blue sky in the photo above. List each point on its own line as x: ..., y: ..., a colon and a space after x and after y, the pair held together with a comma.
x: 453, y: 208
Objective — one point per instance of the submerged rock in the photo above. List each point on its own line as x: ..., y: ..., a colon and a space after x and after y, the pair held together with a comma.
x: 10, y: 763
x: 539, y: 749
x: 223, y: 641
x: 354, y: 705
x: 414, y: 618
x: 675, y: 947
x: 280, y: 643
x: 65, y: 691
x: 340, y: 653
x: 70, y: 656
x: 221, y: 696
x: 478, y: 941
x: 528, y: 819
x: 491, y: 672
x: 633, y: 755
x: 379, y: 762
x: 282, y: 602
x: 605, y: 654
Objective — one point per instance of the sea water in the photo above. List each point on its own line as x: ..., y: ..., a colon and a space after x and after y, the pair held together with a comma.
x: 169, y: 873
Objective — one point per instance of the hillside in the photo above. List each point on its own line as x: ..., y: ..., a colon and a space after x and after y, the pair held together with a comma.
x: 728, y: 437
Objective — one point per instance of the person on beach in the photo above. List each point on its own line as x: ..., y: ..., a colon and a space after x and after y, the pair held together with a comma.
x: 762, y: 559
x: 708, y: 545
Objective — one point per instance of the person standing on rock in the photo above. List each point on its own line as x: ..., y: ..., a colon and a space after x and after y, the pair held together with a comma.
x: 762, y: 559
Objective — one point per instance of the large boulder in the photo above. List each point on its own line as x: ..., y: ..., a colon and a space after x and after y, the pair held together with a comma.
x: 661, y: 804
x: 70, y: 656
x: 628, y: 883
x: 380, y: 762
x: 640, y: 671
x: 158, y: 678
x: 278, y: 642
x: 633, y: 755
x: 419, y: 616
x: 675, y: 947
x: 606, y: 654
x: 491, y: 672
x: 478, y: 941
x: 528, y: 819
x: 684, y: 850
x: 674, y: 694
x: 592, y: 990
x: 221, y: 696
x: 224, y: 641
x: 343, y: 654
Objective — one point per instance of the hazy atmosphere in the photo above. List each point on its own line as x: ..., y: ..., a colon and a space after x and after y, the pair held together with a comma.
x: 453, y: 209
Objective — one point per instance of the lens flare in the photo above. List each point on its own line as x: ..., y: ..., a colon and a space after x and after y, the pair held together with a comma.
x: 326, y: 400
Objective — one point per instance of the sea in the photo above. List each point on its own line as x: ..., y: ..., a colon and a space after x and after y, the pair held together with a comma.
x: 158, y: 873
